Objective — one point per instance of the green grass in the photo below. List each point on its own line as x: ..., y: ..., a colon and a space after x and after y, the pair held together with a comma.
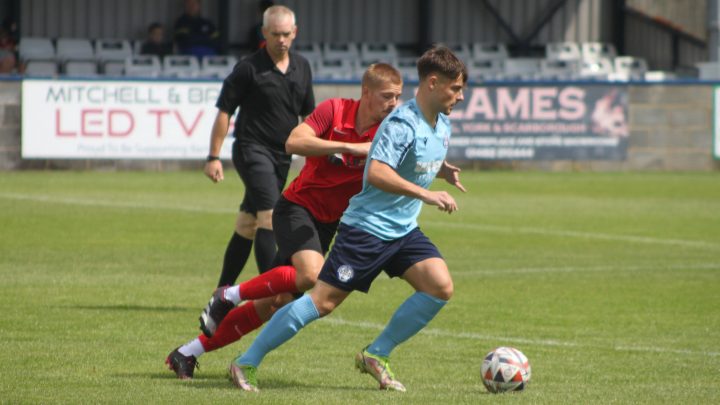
x: 609, y: 283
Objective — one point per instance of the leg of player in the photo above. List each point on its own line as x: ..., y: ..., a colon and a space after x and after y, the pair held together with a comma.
x: 285, y: 324
x: 238, y: 249
x: 264, y: 241
x: 282, y: 279
x: 239, y: 322
x: 433, y: 284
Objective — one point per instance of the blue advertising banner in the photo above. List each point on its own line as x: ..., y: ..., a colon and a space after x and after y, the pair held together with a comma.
x: 539, y: 122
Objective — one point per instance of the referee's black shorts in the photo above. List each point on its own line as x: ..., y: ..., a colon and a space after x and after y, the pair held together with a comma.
x: 296, y: 229
x: 263, y: 172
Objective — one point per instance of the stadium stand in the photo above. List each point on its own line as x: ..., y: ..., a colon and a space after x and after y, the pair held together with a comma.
x: 562, y: 51
x: 708, y: 70
x: 629, y: 68
x: 597, y: 50
x: 335, y: 69
x: 378, y: 52
x: 334, y: 51
x: 111, y: 54
x: 36, y: 48
x: 346, y: 61
x: 180, y: 66
x: 74, y: 49
x: 407, y: 66
x: 76, y: 56
x: 483, y: 51
x: 217, y: 66
x: 596, y: 69
x: 522, y: 68
x: 80, y: 68
x: 559, y: 69
x: 486, y: 69
x: 142, y: 66
x: 462, y: 51
x: 41, y: 67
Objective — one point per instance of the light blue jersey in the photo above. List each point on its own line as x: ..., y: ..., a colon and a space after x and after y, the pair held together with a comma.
x: 408, y: 144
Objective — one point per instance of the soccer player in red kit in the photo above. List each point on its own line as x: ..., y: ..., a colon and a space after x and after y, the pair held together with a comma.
x: 335, y: 138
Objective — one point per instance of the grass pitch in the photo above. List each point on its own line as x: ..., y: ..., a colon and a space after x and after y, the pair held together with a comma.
x: 609, y: 283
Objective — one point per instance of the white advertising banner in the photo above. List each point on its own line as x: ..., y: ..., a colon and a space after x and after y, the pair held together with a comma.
x: 88, y: 119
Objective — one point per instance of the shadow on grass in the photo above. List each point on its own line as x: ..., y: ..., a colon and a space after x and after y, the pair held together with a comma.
x: 218, y: 381
x: 130, y: 307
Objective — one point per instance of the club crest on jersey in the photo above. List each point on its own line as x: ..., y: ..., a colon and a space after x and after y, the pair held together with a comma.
x: 345, y: 273
x: 446, y: 142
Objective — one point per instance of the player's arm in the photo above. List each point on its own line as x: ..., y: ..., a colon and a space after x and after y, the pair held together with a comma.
x: 451, y: 174
x: 385, y: 178
x: 213, y: 168
x: 305, y: 142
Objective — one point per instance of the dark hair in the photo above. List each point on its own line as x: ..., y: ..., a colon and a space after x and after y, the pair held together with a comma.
x: 440, y: 59
x: 154, y: 26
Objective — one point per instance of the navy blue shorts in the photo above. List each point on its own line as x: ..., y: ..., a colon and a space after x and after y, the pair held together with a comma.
x: 358, y: 257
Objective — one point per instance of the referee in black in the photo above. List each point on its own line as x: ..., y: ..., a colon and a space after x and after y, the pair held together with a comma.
x: 273, y: 88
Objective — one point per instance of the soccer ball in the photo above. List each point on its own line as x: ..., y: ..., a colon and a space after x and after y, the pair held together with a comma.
x: 505, y: 369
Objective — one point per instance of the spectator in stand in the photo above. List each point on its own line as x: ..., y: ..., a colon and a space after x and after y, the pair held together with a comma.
x: 194, y: 34
x: 8, y: 47
x: 155, y: 43
x: 257, y: 39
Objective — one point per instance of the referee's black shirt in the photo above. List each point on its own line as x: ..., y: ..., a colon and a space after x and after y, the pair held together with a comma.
x: 270, y: 101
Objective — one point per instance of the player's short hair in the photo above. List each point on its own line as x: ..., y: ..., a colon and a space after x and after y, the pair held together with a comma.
x: 277, y: 12
x: 441, y: 60
x: 378, y: 74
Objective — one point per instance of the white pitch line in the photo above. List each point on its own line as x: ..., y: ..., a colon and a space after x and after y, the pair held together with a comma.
x: 539, y: 342
x: 578, y: 269
x: 477, y: 227
x: 574, y: 234
x: 112, y: 204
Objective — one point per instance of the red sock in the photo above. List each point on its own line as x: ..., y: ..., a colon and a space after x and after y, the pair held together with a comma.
x: 238, y: 322
x: 281, y: 279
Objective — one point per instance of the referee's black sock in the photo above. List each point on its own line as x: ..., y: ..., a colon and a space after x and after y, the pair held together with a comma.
x: 264, y: 249
x: 236, y: 255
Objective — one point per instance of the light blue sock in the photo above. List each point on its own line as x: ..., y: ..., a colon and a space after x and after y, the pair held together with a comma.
x: 285, y: 324
x: 408, y: 319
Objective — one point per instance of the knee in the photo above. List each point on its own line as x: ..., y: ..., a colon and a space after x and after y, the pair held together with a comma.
x: 443, y: 291
x: 264, y: 219
x: 324, y: 307
x: 306, y: 279
x: 280, y: 301
x: 246, y: 226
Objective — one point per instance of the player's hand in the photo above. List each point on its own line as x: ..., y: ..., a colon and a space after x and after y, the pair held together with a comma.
x: 214, y: 171
x: 451, y: 174
x: 358, y: 149
x: 444, y: 201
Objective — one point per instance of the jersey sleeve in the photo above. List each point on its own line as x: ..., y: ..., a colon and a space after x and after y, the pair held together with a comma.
x: 234, y: 88
x: 321, y: 119
x: 394, y: 140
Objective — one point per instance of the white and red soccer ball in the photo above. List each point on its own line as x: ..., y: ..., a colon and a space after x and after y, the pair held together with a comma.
x: 505, y: 369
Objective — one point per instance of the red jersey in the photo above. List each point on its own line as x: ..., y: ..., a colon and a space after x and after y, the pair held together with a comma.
x: 326, y: 183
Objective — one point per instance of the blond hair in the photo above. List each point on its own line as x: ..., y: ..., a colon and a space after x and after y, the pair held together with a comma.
x: 378, y: 74
x: 276, y: 12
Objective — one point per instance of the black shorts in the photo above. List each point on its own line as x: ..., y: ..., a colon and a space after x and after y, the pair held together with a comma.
x: 263, y: 172
x: 358, y: 257
x: 296, y: 229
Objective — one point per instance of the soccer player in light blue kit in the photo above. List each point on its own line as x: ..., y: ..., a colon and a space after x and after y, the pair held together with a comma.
x: 379, y: 230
